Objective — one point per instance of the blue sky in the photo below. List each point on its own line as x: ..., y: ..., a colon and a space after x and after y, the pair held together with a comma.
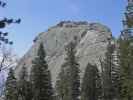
x: 38, y: 15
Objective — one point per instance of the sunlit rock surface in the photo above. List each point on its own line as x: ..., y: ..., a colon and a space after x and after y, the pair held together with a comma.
x: 91, y: 39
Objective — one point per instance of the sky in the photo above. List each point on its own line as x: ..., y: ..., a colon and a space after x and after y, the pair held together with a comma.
x: 38, y: 15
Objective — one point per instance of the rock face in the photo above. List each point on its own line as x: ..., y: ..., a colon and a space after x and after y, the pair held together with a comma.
x: 91, y: 39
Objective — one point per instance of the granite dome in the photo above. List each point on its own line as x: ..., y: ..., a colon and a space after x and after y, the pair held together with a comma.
x: 91, y: 40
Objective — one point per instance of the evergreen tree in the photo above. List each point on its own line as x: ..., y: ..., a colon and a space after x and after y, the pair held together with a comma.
x: 41, y: 78
x: 72, y: 71
x: 109, y: 83
x: 68, y: 83
x: 126, y: 71
x: 126, y: 54
x: 91, y: 83
x: 62, y: 84
x: 24, y: 86
x: 11, y: 92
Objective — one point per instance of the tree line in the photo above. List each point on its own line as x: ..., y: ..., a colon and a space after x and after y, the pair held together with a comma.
x: 114, y: 80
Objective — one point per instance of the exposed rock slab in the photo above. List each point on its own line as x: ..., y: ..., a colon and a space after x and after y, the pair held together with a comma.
x: 91, y: 42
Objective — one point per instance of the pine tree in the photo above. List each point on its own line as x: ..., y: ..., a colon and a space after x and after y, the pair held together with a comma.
x: 126, y: 54
x: 11, y: 91
x: 24, y: 86
x: 41, y: 78
x: 91, y: 83
x: 109, y: 83
x: 126, y: 71
x: 68, y: 83
x: 72, y: 72
x: 62, y: 84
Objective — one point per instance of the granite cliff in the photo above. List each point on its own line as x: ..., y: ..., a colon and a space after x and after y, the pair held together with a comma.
x: 91, y: 40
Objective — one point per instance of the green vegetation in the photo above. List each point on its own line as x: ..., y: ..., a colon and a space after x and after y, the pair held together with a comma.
x: 11, y: 91
x: 40, y: 77
x: 91, y: 84
x: 68, y: 84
